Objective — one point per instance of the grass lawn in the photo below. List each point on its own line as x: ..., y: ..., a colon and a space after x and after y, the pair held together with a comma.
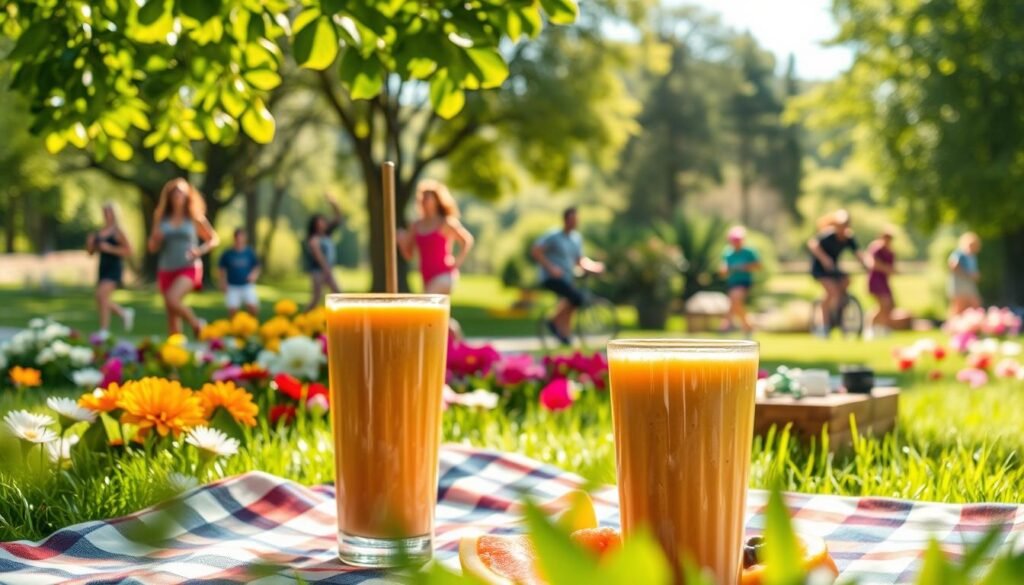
x: 952, y: 444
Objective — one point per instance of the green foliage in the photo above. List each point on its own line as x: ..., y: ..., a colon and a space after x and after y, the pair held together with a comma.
x: 96, y: 73
x: 643, y: 265
x: 701, y: 240
x: 935, y: 92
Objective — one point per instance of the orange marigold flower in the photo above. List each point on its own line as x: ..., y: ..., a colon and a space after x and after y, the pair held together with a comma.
x: 164, y: 405
x: 231, y: 398
x: 102, y: 400
x: 25, y: 377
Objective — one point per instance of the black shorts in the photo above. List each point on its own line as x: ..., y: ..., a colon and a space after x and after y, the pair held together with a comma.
x: 564, y: 290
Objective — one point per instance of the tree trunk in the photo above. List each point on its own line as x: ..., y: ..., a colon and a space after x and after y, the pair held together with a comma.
x: 252, y: 213
x: 147, y: 203
x: 10, y: 223
x: 1013, y: 268
x: 744, y: 199
x: 275, y: 212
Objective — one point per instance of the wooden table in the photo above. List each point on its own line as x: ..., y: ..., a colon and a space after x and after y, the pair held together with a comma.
x: 875, y: 413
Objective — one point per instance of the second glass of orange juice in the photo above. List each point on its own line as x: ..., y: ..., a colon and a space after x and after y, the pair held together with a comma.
x: 683, y: 413
x: 386, y: 359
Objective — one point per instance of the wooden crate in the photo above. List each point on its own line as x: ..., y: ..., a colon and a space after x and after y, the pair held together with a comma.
x: 875, y: 413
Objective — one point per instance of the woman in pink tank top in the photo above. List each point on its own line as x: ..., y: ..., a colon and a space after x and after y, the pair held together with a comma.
x: 433, y: 237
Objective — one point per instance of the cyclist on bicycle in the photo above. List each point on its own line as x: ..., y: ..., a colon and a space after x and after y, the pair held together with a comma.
x: 834, y: 236
x: 558, y: 254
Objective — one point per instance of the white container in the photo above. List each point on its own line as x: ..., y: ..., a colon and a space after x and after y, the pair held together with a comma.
x: 814, y: 382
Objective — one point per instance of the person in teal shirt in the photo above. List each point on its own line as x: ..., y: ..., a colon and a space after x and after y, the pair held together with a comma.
x: 738, y: 266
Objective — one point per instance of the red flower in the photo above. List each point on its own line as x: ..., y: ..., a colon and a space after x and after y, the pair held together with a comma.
x: 317, y: 389
x: 935, y: 375
x: 939, y: 353
x: 283, y: 412
x: 288, y: 385
x: 905, y: 364
x: 979, y: 361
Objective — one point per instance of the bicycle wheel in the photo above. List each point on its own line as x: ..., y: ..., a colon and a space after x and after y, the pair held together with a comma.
x: 596, y: 323
x: 851, y: 317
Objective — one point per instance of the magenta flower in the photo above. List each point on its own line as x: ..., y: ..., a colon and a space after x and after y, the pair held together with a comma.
x: 112, y: 372
x: 466, y: 360
x: 559, y: 394
x: 973, y: 376
x: 516, y: 369
x: 592, y: 368
x: 217, y: 344
x: 231, y: 372
x: 963, y: 340
x: 323, y: 343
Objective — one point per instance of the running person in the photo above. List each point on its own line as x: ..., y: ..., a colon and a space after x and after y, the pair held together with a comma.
x: 834, y: 236
x: 739, y: 263
x: 433, y: 234
x: 181, y: 236
x: 239, y: 268
x: 113, y: 247
x: 883, y: 265
x: 558, y: 253
x: 318, y: 251
x: 964, y: 275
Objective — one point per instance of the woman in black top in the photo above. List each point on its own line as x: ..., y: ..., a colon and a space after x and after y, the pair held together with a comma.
x: 112, y: 246
x: 834, y: 236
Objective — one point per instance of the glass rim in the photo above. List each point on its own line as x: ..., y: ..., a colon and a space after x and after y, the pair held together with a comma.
x: 338, y: 299
x: 694, y: 345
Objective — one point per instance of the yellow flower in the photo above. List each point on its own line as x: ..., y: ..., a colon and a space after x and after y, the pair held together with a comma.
x: 100, y: 400
x: 174, y: 355
x: 25, y: 377
x: 292, y: 332
x: 215, y: 330
x: 274, y: 327
x: 243, y: 324
x: 286, y: 308
x: 177, y: 340
x: 231, y: 398
x: 164, y: 405
x: 316, y: 321
x: 273, y: 344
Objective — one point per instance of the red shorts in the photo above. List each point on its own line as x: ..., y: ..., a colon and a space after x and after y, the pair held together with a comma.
x: 194, y: 273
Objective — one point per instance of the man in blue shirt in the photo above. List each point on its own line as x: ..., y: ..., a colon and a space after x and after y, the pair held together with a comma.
x: 239, y: 270
x: 559, y: 253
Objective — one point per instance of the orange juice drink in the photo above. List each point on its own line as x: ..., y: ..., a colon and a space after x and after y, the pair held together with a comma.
x: 386, y: 359
x: 683, y: 412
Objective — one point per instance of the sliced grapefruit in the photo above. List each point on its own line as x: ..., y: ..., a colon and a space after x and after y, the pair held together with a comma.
x: 816, y: 559
x: 512, y: 560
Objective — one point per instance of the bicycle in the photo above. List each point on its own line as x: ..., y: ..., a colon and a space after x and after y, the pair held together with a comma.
x: 594, y: 323
x: 849, y: 318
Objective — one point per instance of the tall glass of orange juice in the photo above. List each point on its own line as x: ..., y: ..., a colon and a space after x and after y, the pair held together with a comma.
x: 683, y: 412
x: 386, y: 361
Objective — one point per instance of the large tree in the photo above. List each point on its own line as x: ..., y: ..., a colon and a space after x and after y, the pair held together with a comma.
x: 937, y: 91
x: 182, y: 71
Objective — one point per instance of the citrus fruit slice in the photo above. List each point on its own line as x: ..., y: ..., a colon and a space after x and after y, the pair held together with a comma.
x: 572, y: 511
x: 816, y: 559
x: 512, y: 560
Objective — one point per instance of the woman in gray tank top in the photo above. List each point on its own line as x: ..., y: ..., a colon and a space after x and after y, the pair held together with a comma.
x: 318, y: 254
x: 181, y: 236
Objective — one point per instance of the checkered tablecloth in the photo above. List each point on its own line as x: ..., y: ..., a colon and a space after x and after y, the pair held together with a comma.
x: 258, y: 528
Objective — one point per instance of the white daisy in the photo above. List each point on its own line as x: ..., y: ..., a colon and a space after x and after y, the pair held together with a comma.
x: 68, y: 409
x: 81, y: 356
x: 37, y: 323
x: 212, y: 441
x: 60, y: 348
x: 180, y: 482
x: 30, y: 427
x: 87, y: 378
x: 61, y: 450
x: 299, y: 356
x: 45, y: 356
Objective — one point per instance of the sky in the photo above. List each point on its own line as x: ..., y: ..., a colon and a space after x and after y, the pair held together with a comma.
x: 788, y: 26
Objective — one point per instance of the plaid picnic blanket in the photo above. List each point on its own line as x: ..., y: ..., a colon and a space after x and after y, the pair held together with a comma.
x: 257, y: 528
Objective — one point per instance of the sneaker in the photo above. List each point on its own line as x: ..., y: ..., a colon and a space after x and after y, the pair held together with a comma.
x: 558, y: 334
x: 102, y: 335
x: 129, y: 319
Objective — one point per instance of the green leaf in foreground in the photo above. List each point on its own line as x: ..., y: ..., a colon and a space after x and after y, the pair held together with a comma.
x: 640, y: 560
x: 781, y: 553
x: 561, y: 560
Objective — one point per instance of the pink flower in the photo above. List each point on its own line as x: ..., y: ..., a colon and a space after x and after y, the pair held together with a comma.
x: 318, y: 403
x: 961, y: 341
x: 217, y: 344
x: 973, y: 376
x: 323, y: 343
x: 559, y: 394
x: 112, y: 372
x: 1007, y: 368
x: 466, y: 360
x: 318, y: 389
x: 516, y: 369
x: 593, y: 368
x: 762, y: 374
x: 232, y: 373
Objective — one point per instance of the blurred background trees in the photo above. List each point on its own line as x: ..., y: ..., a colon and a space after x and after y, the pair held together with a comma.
x: 643, y: 113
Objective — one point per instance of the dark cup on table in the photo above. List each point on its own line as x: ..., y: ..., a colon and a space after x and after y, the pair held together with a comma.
x: 857, y: 379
